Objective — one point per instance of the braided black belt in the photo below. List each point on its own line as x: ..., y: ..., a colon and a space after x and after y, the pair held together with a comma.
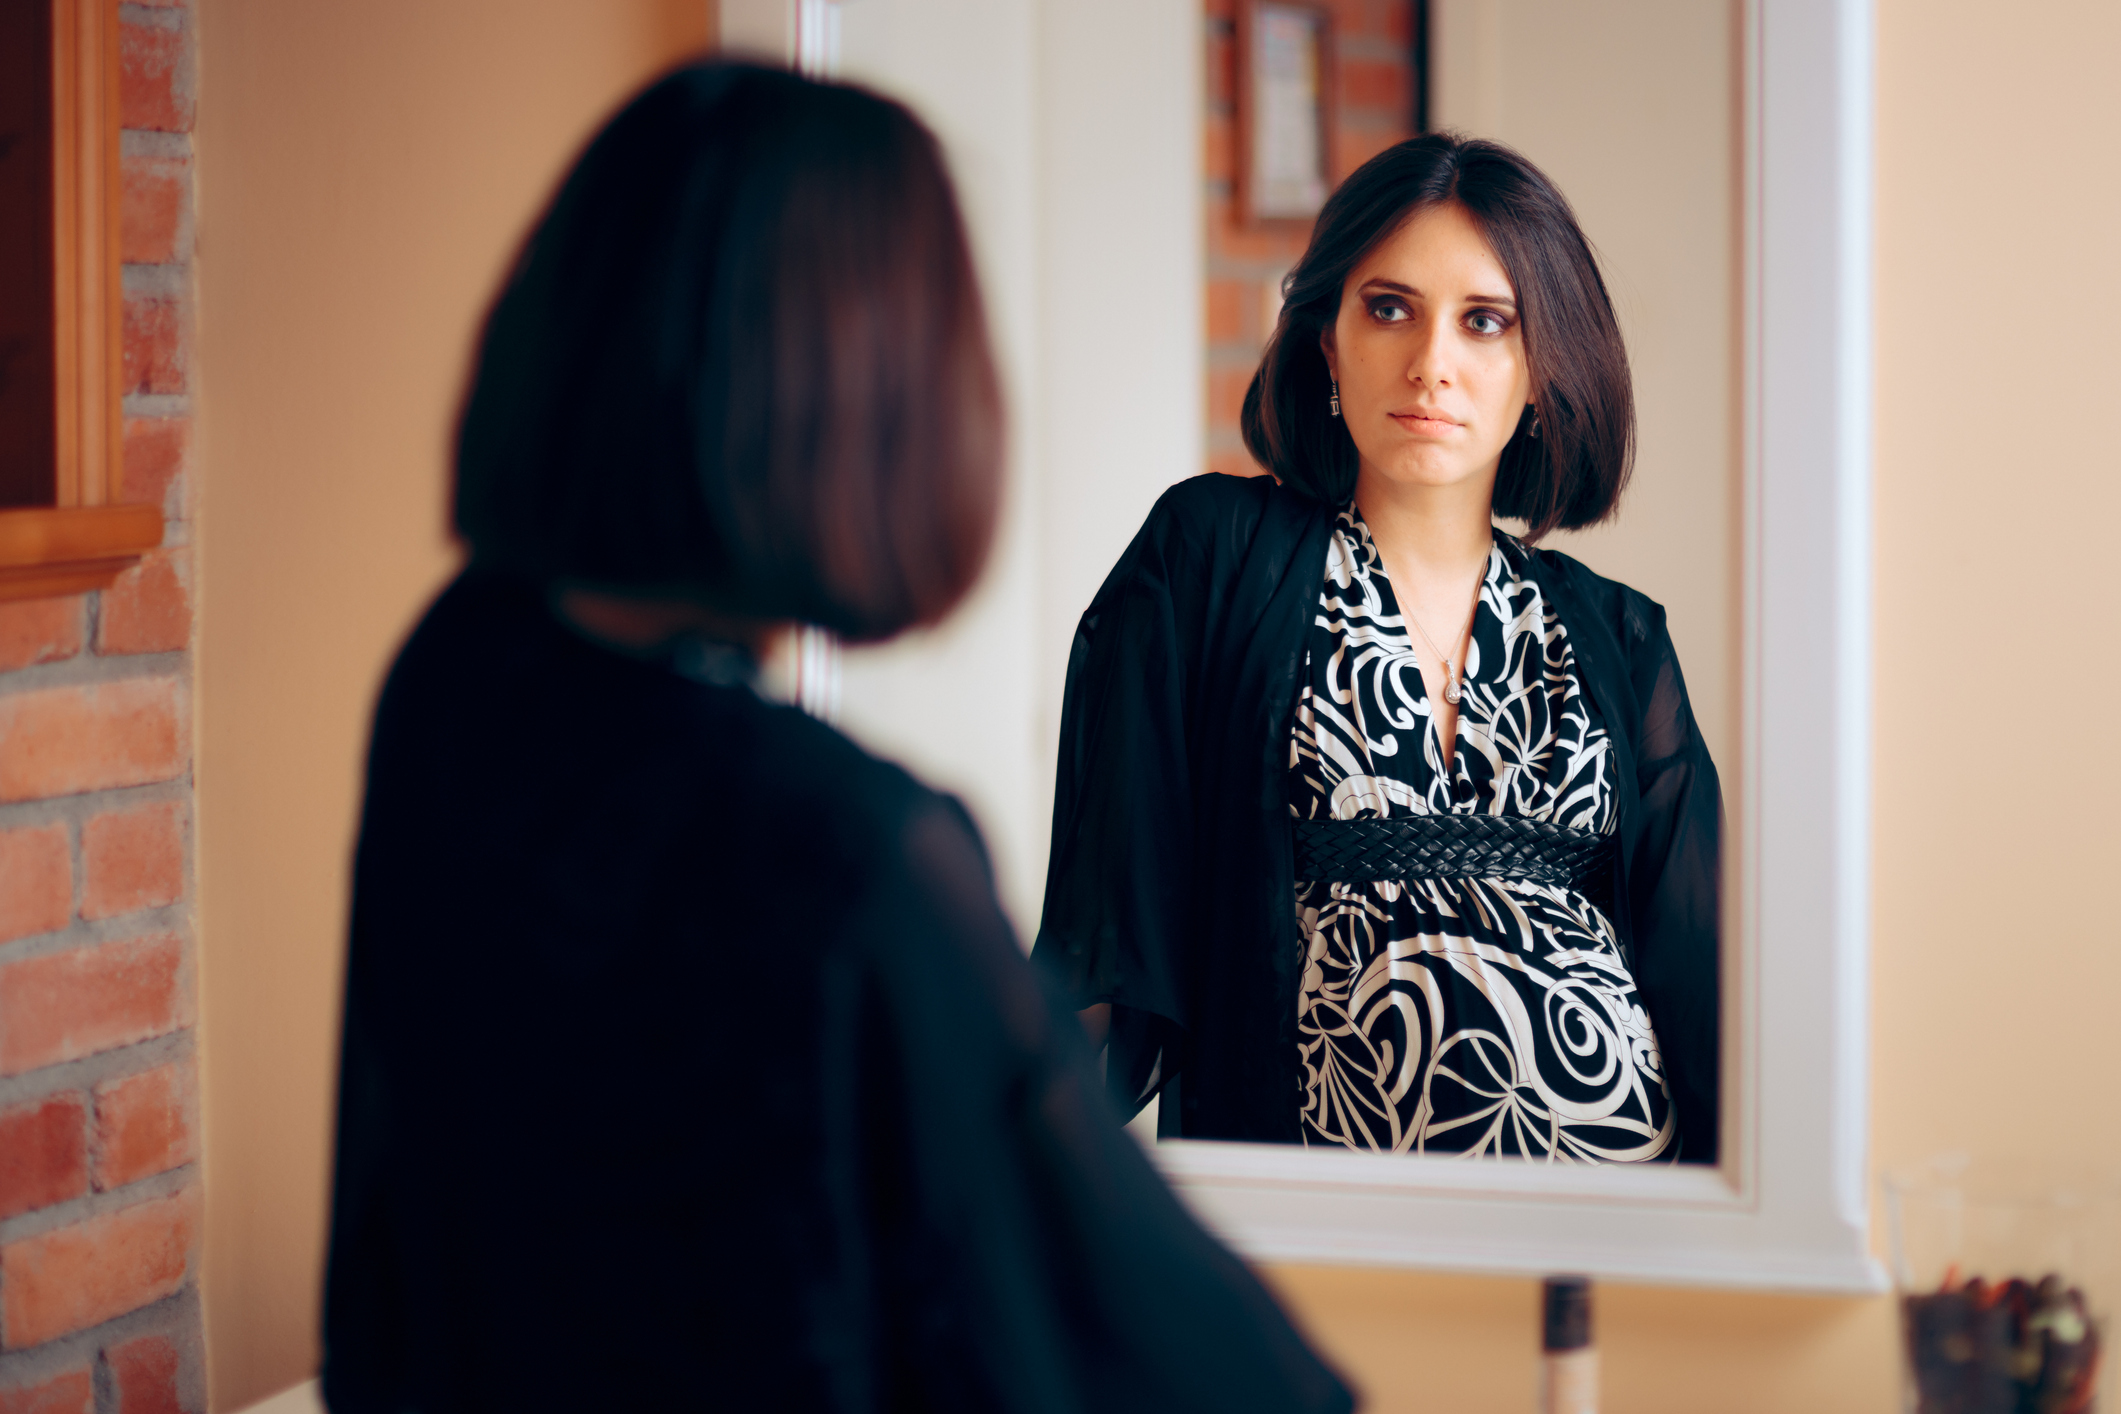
x: 1451, y: 847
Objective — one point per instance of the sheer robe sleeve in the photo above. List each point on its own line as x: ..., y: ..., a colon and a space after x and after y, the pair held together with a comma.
x: 1029, y: 1257
x: 1115, y: 923
x: 1674, y: 878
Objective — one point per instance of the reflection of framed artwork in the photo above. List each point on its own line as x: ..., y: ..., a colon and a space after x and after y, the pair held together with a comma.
x: 1285, y: 105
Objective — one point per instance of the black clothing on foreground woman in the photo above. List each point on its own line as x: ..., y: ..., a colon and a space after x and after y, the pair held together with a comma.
x: 690, y: 1063
x: 1169, y: 894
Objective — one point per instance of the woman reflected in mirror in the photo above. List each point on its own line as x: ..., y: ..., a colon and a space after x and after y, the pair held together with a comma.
x: 1377, y: 825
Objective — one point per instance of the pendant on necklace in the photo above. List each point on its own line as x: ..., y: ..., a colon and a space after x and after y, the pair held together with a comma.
x: 1451, y: 694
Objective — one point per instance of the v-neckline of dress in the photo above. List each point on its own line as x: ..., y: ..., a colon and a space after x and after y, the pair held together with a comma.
x: 1444, y: 761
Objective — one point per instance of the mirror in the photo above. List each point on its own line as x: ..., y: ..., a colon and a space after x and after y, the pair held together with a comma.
x: 1716, y: 156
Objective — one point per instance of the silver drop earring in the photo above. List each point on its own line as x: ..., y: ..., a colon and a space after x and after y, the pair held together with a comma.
x: 1334, y: 401
x: 1534, y: 433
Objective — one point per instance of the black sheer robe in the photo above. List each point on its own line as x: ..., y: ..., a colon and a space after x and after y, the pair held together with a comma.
x: 1171, y: 884
x: 689, y: 1063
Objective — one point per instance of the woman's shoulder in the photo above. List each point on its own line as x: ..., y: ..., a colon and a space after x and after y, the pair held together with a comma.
x: 489, y: 652
x: 875, y: 811
x: 1634, y: 618
x: 1216, y: 517
x: 1214, y: 499
x: 812, y: 770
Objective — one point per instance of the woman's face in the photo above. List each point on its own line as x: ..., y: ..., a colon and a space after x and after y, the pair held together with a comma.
x: 1429, y: 355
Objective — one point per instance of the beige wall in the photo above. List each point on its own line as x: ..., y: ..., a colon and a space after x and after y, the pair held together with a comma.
x: 1997, y: 944
x: 364, y: 170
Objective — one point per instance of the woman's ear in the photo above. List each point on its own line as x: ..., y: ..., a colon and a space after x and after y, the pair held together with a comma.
x: 1325, y: 346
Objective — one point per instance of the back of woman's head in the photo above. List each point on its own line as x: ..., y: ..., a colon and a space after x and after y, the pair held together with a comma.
x: 742, y: 359
x: 1566, y: 471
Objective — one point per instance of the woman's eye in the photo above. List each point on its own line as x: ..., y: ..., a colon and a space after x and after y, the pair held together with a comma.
x: 1388, y: 313
x: 1482, y: 321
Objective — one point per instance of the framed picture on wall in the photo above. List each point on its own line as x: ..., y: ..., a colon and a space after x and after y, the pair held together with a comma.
x: 1285, y: 103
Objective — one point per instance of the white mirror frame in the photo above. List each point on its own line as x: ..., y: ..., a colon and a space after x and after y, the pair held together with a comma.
x: 1787, y: 1208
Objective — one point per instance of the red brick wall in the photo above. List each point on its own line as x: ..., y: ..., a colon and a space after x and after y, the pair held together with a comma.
x: 1373, y: 44
x: 99, y: 1226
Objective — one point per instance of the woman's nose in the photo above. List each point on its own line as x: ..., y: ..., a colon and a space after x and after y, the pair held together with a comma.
x: 1429, y: 361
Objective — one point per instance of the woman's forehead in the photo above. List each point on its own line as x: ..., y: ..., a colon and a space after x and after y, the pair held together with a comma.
x: 1438, y: 252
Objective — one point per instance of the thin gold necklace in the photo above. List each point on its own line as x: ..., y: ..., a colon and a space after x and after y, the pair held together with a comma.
x: 1452, y: 692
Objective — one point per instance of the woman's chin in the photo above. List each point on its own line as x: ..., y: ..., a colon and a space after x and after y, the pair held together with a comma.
x: 1427, y: 474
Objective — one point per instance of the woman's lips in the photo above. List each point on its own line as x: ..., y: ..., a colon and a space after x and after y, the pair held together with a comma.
x: 1422, y: 422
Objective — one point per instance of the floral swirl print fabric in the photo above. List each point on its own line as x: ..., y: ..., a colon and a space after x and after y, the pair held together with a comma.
x: 1476, y: 1017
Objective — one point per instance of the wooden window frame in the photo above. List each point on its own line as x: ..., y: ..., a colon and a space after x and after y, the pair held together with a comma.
x: 85, y: 538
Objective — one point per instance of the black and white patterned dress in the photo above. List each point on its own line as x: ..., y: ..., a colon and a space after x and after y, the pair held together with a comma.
x: 1461, y: 1016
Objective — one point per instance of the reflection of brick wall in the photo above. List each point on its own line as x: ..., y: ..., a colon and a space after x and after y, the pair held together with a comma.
x: 1374, y: 48
x: 99, y: 1221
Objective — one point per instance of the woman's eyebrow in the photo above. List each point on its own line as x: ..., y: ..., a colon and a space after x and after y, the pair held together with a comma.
x: 1395, y: 287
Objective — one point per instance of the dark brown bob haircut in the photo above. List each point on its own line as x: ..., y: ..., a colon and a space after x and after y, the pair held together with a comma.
x: 1570, y: 475
x: 742, y: 359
